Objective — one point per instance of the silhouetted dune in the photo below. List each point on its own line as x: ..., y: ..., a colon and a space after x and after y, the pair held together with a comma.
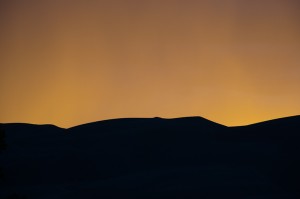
x: 137, y: 124
x: 188, y: 157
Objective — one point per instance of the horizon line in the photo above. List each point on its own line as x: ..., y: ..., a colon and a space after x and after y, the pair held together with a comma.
x: 156, y: 117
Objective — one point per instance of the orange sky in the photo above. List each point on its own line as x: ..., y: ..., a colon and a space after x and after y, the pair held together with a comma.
x: 69, y: 62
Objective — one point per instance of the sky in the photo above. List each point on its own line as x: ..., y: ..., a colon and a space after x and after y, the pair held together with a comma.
x: 69, y: 62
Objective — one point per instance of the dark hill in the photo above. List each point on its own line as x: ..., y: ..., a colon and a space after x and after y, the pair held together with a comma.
x: 290, y: 125
x: 153, y: 158
x: 142, y: 124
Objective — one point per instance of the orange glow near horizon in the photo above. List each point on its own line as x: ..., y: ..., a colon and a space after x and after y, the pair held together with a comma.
x: 71, y: 62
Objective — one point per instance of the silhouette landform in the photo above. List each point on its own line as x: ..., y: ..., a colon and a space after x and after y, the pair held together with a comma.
x: 189, y: 157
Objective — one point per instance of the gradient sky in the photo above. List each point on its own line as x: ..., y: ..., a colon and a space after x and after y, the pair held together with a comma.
x: 68, y: 62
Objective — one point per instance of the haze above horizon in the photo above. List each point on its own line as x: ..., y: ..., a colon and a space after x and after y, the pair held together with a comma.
x: 235, y: 62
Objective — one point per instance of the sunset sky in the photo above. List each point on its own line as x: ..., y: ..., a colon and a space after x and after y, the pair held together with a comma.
x: 69, y: 62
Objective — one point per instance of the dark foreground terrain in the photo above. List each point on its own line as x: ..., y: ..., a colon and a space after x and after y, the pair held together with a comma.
x: 152, y: 158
